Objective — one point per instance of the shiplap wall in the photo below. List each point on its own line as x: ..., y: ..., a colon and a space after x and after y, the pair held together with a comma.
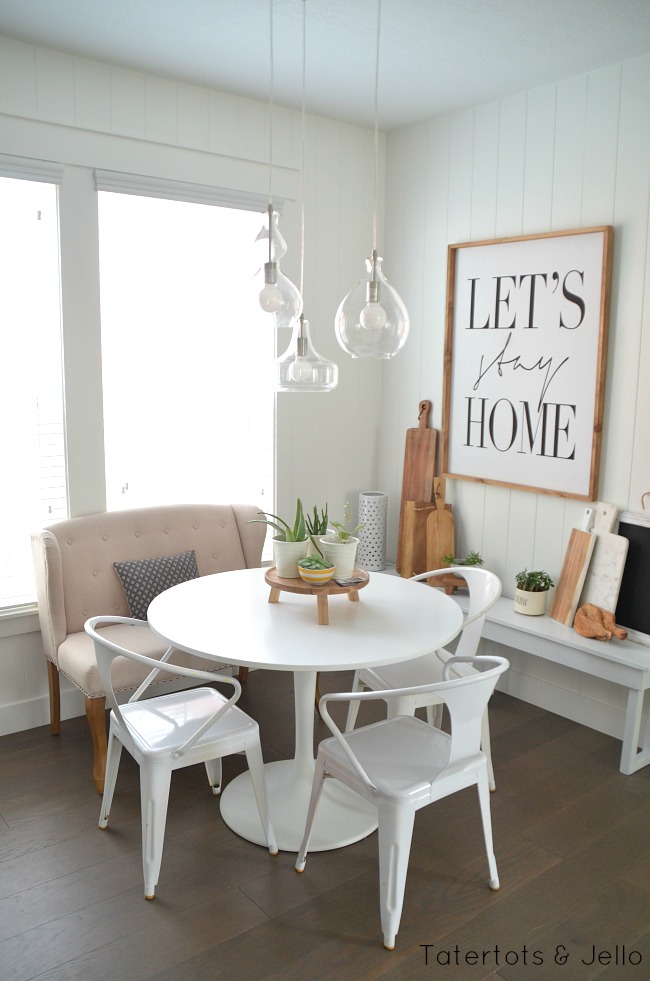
x: 570, y: 155
x: 86, y: 115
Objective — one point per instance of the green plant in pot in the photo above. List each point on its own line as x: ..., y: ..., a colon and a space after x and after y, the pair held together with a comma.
x: 315, y: 569
x: 472, y: 558
x: 291, y: 542
x: 340, y: 545
x: 531, y: 591
x: 317, y: 525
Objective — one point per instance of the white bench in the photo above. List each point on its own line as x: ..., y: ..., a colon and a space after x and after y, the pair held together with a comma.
x: 622, y: 662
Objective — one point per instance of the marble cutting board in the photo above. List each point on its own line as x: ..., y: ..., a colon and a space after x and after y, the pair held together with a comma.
x: 605, y: 573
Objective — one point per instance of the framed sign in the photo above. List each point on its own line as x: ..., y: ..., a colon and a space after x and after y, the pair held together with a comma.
x: 525, y: 358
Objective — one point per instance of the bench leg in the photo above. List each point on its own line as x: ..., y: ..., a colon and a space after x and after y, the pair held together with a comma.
x: 96, y: 715
x: 631, y: 759
x: 55, y: 697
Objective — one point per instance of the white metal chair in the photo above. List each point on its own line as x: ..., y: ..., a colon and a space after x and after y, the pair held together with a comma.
x: 168, y: 732
x: 484, y: 590
x: 402, y: 764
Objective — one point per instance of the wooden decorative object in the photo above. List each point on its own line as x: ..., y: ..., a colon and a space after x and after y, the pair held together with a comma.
x: 572, y: 577
x: 279, y: 585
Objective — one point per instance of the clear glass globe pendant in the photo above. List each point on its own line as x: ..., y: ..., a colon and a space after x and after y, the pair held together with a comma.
x: 301, y: 368
x: 278, y: 295
x: 372, y: 320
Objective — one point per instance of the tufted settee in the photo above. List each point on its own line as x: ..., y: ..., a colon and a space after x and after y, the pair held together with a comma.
x: 75, y: 580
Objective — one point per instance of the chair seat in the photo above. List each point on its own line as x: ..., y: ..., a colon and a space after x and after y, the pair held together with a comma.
x: 419, y: 671
x: 402, y: 756
x: 77, y: 661
x: 176, y: 718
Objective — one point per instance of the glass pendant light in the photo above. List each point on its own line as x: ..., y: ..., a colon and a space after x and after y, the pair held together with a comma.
x: 301, y: 368
x: 372, y: 321
x: 278, y: 295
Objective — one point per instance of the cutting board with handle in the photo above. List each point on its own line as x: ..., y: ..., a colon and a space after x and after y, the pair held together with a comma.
x: 440, y: 529
x: 420, y: 458
x: 572, y: 577
x: 417, y: 487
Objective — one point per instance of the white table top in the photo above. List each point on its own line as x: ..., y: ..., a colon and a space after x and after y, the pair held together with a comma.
x: 228, y: 617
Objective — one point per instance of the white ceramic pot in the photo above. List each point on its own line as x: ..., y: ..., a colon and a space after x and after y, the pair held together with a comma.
x: 532, y: 604
x: 342, y: 555
x: 286, y: 556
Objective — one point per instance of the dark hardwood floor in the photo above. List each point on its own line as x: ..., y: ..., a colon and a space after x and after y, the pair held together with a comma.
x: 572, y: 839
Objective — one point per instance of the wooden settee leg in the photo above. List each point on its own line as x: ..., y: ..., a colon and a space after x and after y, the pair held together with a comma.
x: 96, y: 715
x: 242, y: 675
x: 55, y: 697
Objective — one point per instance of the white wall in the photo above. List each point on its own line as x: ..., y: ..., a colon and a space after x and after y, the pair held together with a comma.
x: 87, y: 115
x: 564, y: 156
x: 570, y: 155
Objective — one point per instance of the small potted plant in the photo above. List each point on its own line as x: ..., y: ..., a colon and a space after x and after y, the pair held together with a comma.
x: 291, y: 542
x: 315, y: 569
x: 317, y: 525
x: 472, y: 558
x: 340, y: 545
x: 531, y: 592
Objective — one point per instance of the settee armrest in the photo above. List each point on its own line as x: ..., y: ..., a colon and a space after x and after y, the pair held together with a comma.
x: 46, y: 556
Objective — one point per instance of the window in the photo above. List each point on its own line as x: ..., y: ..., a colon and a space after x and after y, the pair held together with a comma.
x: 186, y: 354
x: 33, y: 485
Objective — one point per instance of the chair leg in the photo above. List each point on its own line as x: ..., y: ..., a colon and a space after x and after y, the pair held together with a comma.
x: 96, y: 715
x: 256, y: 770
x: 353, y: 707
x: 487, y: 749
x: 314, y: 799
x: 486, y: 818
x: 154, y: 797
x: 214, y: 771
x: 112, y: 766
x: 395, y: 834
x: 242, y: 675
x: 55, y: 697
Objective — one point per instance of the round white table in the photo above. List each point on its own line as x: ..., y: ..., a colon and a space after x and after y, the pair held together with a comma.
x: 227, y: 617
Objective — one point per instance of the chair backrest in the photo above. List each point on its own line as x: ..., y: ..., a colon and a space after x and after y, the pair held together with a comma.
x: 484, y: 590
x: 107, y: 650
x: 466, y: 699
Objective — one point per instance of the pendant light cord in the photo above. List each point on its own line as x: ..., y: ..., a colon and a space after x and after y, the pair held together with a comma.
x: 374, y: 203
x: 302, y: 168
x: 271, y: 83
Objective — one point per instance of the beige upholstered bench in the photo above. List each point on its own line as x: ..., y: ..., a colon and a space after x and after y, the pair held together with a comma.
x: 76, y: 579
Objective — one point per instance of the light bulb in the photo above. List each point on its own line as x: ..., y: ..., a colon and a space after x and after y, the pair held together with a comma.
x: 271, y: 298
x: 372, y: 316
x: 300, y: 370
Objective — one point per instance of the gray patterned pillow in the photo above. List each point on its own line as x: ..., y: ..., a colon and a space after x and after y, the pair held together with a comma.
x: 144, y: 579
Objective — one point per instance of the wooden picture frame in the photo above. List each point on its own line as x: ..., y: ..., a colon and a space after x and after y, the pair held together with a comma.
x: 525, y: 361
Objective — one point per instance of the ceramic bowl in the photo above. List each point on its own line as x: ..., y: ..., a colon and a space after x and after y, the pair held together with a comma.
x: 316, y: 576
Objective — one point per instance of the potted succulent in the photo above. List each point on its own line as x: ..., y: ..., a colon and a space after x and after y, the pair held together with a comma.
x: 290, y: 544
x: 315, y: 569
x: 340, y: 545
x: 472, y: 558
x: 531, y: 592
x: 316, y: 526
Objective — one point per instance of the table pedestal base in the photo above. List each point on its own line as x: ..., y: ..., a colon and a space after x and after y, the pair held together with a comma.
x: 341, y: 819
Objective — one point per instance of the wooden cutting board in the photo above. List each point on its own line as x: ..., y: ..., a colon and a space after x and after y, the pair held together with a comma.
x: 417, y: 487
x: 572, y: 576
x: 605, y: 574
x: 440, y: 528
x: 420, y: 458
x: 412, y: 555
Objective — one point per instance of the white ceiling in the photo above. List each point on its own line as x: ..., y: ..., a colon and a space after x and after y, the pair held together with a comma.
x: 436, y: 56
